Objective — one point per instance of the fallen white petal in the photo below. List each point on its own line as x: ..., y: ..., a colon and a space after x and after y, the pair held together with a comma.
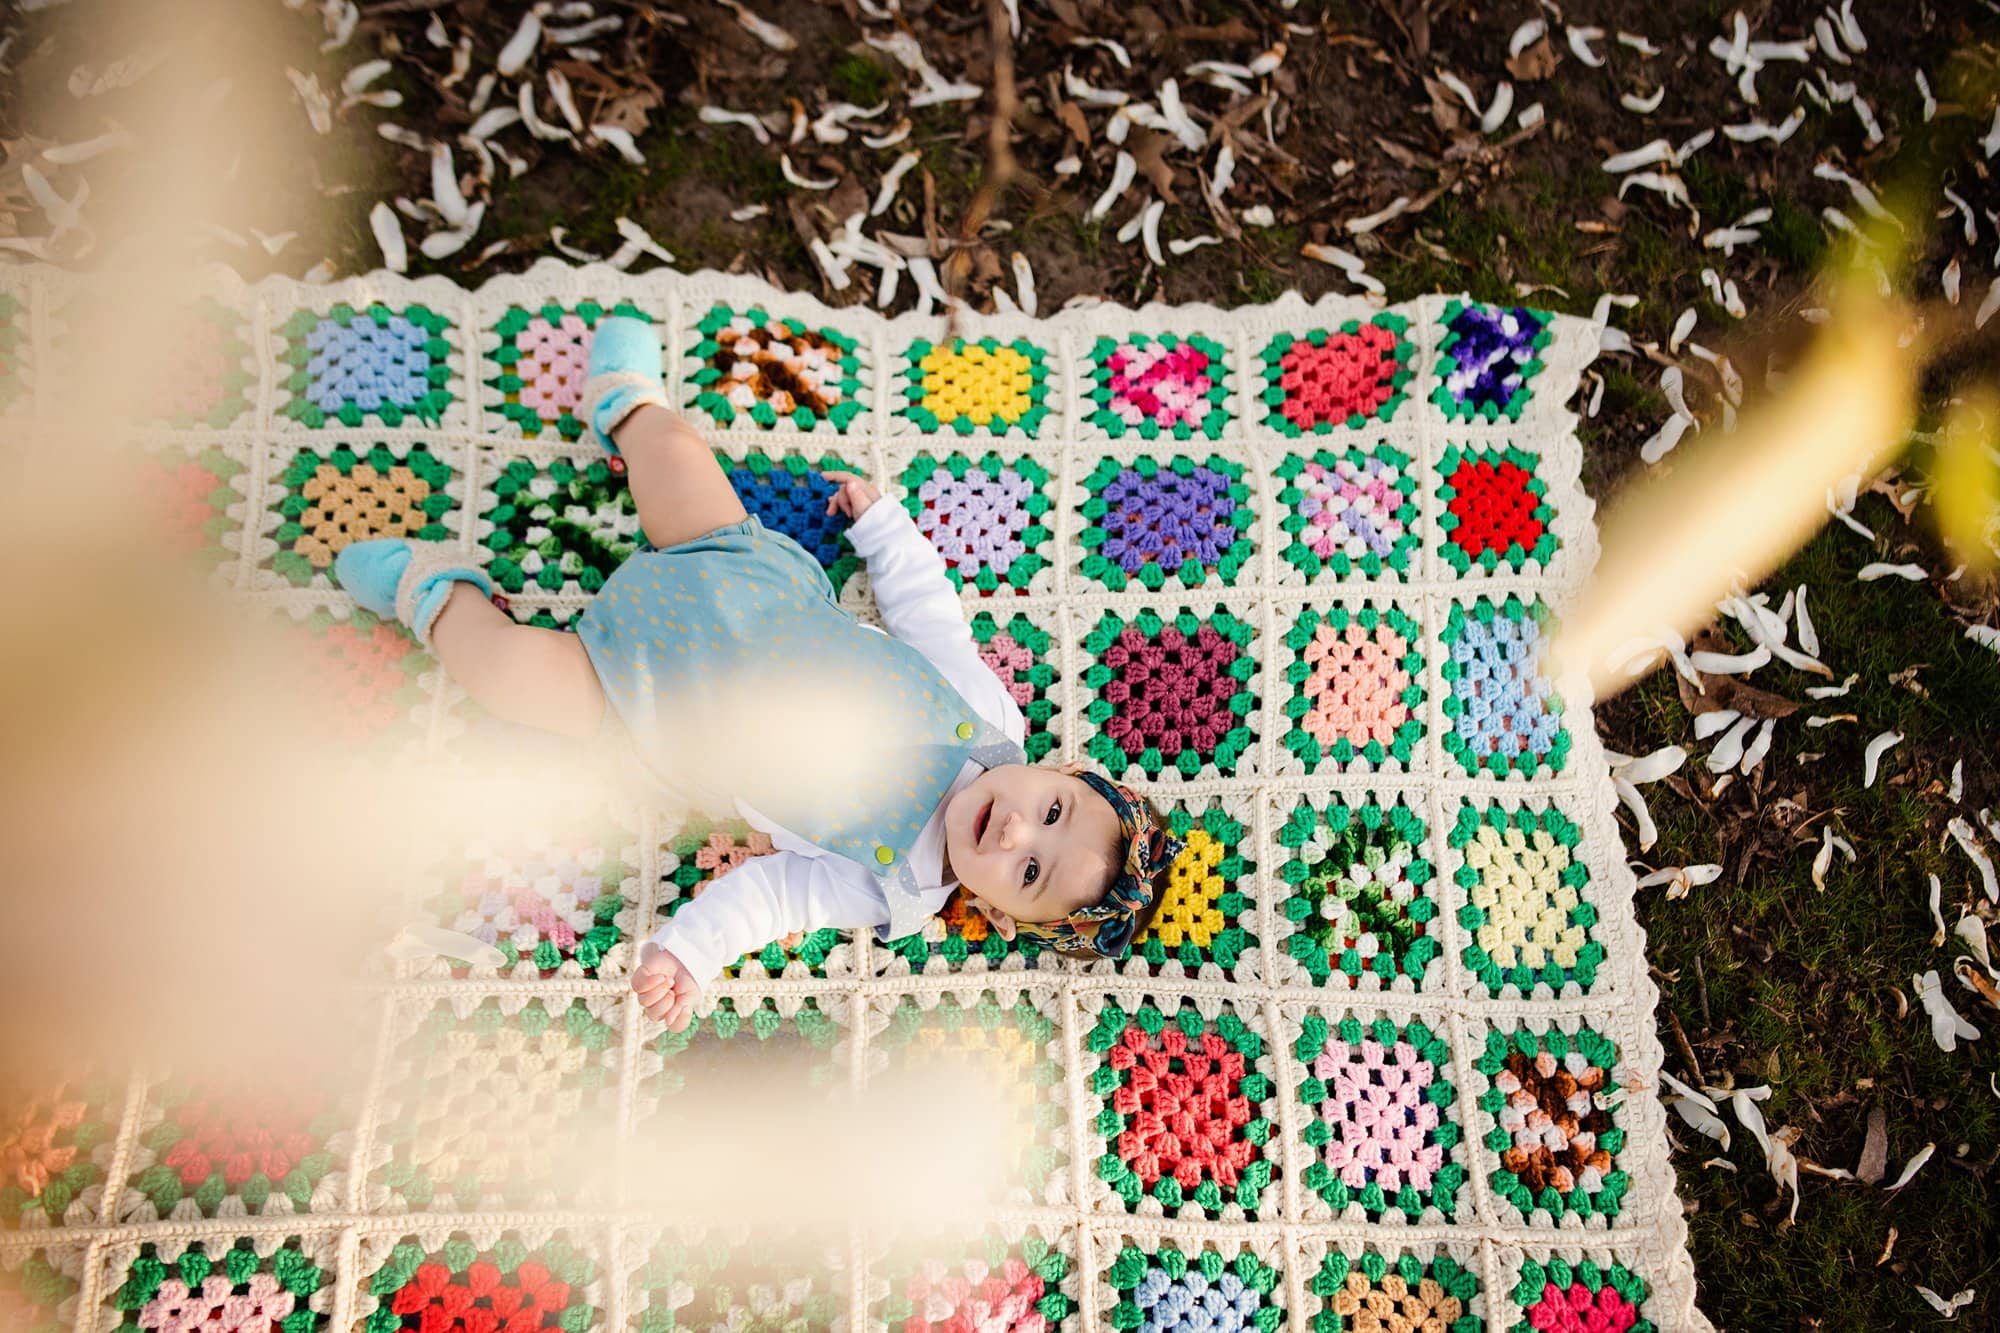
x: 1661, y: 763
x: 1644, y: 106
x: 1149, y: 227
x: 1873, y: 755
x: 715, y: 115
x: 1642, y: 818
x: 522, y: 44
x: 1024, y: 282
x: 1526, y: 36
x: 1937, y: 893
x: 770, y: 34
x: 1122, y: 172
x: 1728, y: 751
x: 1968, y: 842
x: 893, y: 181
x: 1759, y: 747
x: 1879, y: 570
x: 1947, y: 1024
x: 389, y: 235
x: 1579, y: 45
x: 1948, y: 1308
x: 1708, y: 724
x: 1731, y: 664
x: 1923, y: 1154
x: 804, y: 182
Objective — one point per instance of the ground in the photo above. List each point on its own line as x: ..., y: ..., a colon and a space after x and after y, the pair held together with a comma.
x: 1765, y: 978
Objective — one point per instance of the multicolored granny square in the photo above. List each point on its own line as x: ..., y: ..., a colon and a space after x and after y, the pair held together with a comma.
x: 543, y: 360
x: 203, y: 1146
x: 1382, y: 1130
x: 1020, y: 654
x: 1357, y: 693
x: 1370, y: 1293
x: 987, y: 517
x: 331, y: 499
x: 1008, y: 1049
x: 178, y: 1286
x: 1349, y: 510
x: 1185, y: 1115
x: 710, y: 1282
x: 1552, y: 1100
x: 560, y: 524
x: 1148, y: 521
x: 757, y: 368
x: 704, y: 849
x: 1170, y: 695
x: 460, y: 1287
x: 1503, y: 714
x: 1008, y: 1288
x: 38, y: 1288
x: 549, y: 906
x: 1362, y: 908
x: 1496, y: 510
x: 484, y: 1088
x: 202, y: 377
x: 1487, y: 360
x: 1584, y: 1296
x: 349, y: 365
x: 789, y: 495
x: 364, y: 673
x: 1204, y: 914
x: 1349, y: 376
x: 53, y: 1147
x: 717, y: 1050
x: 1523, y: 876
x: 967, y: 387
x: 961, y: 937
x: 1151, y: 385
x: 191, y: 492
x: 1170, y: 1291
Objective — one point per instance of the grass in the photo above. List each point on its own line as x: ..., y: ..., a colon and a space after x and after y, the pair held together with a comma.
x: 1775, y: 982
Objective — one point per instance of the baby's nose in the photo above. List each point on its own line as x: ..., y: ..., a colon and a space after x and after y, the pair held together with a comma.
x: 1010, y: 831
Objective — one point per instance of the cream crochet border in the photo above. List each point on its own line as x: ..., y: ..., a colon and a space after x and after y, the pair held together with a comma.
x: 1649, y: 1236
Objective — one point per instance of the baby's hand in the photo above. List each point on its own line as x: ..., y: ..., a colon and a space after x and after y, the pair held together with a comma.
x: 854, y: 495
x: 664, y: 988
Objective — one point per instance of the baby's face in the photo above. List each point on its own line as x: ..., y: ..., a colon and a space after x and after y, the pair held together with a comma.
x: 1034, y: 843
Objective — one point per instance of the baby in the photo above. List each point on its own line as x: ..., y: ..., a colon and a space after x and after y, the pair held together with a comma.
x: 918, y: 782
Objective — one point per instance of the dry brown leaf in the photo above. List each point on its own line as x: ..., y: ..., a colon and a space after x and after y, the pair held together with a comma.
x: 1071, y: 115
x: 1447, y: 112
x: 1536, y: 63
x: 1874, y: 1162
x: 1720, y: 692
x: 1148, y: 150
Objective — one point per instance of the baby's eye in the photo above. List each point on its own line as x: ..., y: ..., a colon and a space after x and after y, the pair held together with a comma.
x: 1055, y: 813
x: 1032, y: 873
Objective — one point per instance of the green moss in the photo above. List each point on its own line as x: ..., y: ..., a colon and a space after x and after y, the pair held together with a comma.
x: 1793, y: 236
x: 858, y: 79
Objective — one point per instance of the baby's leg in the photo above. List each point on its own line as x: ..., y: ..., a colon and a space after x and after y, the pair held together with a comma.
x: 519, y: 673
x: 680, y: 490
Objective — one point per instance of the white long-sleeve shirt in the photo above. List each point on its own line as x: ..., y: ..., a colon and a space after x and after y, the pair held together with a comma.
x: 802, y: 886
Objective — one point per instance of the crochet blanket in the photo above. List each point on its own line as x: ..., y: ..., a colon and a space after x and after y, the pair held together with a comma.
x: 1384, y: 1060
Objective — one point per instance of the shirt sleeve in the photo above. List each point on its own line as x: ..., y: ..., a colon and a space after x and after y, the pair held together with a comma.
x: 766, y: 898
x: 912, y: 591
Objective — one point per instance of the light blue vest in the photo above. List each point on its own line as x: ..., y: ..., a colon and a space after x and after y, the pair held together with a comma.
x: 875, y: 822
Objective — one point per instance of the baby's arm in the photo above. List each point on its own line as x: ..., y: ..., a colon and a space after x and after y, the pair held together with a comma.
x: 912, y: 590
x: 761, y: 900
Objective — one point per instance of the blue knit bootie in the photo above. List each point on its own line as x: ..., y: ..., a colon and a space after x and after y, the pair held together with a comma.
x: 624, y: 374
x: 404, y: 579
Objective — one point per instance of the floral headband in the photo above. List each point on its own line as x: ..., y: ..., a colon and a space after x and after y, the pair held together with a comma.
x: 1105, y: 930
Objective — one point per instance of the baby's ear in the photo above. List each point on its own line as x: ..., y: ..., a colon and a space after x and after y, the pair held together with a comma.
x: 1002, y: 924
x: 1072, y: 768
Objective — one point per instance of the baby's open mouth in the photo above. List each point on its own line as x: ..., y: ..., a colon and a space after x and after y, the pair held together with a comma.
x: 979, y: 822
